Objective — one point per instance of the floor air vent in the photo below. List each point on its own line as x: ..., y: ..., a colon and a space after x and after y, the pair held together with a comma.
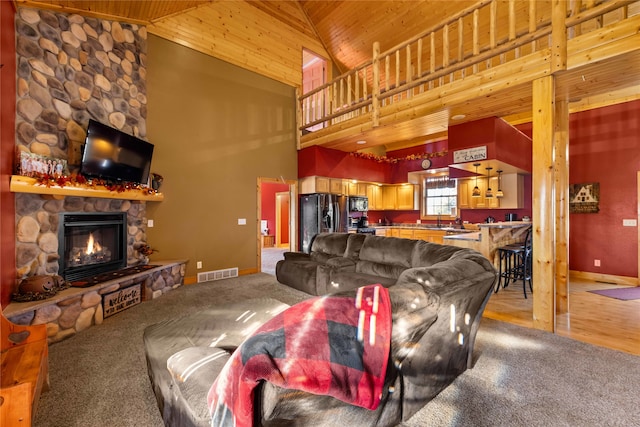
x: 217, y: 274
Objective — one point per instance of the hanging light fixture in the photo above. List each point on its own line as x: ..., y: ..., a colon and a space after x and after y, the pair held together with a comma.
x: 489, y: 193
x: 499, y: 193
x: 476, y: 190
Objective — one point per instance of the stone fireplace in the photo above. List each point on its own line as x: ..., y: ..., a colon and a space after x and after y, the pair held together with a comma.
x: 41, y: 239
x: 91, y: 243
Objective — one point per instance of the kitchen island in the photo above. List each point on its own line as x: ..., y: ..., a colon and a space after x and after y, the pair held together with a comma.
x: 490, y: 237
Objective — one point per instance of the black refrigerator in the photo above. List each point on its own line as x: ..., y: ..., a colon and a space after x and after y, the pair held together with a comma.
x: 321, y: 213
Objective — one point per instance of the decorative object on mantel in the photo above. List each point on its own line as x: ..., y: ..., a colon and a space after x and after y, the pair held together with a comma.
x: 80, y: 180
x: 31, y: 164
x: 156, y: 181
x: 39, y: 287
x: 385, y: 159
x: 584, y: 198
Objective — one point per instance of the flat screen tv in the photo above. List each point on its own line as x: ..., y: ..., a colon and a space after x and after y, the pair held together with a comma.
x: 113, y: 155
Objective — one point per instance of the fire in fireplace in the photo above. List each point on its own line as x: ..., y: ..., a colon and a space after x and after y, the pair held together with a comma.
x: 91, y: 244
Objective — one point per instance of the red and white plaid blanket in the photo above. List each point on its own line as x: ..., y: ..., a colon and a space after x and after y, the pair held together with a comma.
x: 330, y: 345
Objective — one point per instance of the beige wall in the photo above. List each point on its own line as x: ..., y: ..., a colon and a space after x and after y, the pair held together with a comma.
x: 216, y: 128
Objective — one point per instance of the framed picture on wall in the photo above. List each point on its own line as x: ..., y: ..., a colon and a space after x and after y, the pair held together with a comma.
x: 584, y: 198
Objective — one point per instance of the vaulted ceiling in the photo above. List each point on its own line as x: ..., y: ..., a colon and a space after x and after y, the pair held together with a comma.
x: 269, y: 36
x: 346, y: 29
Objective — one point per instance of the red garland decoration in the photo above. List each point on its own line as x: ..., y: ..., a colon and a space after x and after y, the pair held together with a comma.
x: 385, y: 159
x: 80, y: 180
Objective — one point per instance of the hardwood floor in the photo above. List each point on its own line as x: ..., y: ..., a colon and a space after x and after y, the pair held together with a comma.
x: 592, y: 318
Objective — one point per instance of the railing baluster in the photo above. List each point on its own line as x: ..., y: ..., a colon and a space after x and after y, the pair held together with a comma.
x: 409, y: 78
x: 432, y: 59
x: 348, y: 95
x: 419, y: 60
x: 476, y: 43
x: 375, y: 87
x: 461, y: 45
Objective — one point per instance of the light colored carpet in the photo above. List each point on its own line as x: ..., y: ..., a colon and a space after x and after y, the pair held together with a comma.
x: 270, y: 256
x: 522, y: 377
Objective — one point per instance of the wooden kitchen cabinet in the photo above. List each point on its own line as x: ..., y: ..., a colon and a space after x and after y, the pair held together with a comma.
x: 467, y: 201
x: 337, y: 186
x: 405, y: 197
x: 314, y: 184
x: 374, y: 194
x: 433, y: 236
x: 356, y: 189
x: 389, y: 197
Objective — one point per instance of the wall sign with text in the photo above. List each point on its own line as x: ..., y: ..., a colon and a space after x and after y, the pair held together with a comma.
x: 470, y: 154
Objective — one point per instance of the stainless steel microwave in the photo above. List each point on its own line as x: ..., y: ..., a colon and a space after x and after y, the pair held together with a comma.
x: 358, y: 204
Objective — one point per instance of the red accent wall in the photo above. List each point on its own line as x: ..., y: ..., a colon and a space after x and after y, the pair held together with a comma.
x: 7, y: 146
x: 268, y: 203
x: 338, y: 164
x: 605, y: 148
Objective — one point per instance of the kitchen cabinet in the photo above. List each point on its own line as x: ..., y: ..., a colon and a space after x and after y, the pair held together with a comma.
x: 512, y: 187
x: 374, y: 194
x: 434, y: 236
x: 398, y: 197
x: 405, y: 197
x: 337, y: 186
x: 314, y: 184
x: 356, y: 189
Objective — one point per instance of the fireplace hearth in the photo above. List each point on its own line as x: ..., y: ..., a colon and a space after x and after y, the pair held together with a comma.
x: 90, y: 244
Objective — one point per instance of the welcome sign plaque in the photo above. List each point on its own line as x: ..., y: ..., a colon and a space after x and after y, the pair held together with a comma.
x: 120, y: 300
x: 470, y: 154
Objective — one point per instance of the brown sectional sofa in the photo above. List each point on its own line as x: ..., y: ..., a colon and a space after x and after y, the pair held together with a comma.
x: 437, y: 295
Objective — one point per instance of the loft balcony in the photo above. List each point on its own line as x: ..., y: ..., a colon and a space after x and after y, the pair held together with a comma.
x: 479, y: 63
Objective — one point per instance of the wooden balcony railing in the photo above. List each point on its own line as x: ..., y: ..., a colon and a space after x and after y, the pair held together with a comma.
x: 469, y: 42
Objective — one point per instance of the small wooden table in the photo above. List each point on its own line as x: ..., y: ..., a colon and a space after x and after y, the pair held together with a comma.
x: 268, y: 241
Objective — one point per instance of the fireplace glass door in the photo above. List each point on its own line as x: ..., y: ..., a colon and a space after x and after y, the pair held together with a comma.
x: 91, y: 244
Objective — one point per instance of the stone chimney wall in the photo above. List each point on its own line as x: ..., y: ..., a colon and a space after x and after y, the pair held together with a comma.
x: 72, y: 68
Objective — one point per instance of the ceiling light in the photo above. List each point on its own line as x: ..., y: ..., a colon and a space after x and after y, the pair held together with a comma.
x: 488, y: 194
x: 458, y: 117
x: 499, y: 193
x: 361, y: 142
x: 476, y: 190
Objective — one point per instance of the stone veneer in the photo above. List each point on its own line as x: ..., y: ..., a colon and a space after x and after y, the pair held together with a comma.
x: 37, y: 229
x: 70, y: 69
x: 74, y: 310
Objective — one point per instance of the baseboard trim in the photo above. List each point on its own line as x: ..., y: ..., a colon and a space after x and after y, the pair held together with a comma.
x: 609, y: 278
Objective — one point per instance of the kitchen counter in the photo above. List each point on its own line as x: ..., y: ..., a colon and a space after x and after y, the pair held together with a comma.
x: 469, y: 235
x: 491, y: 237
x: 505, y: 224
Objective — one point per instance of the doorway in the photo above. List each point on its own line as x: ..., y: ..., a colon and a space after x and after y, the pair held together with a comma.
x: 276, y: 231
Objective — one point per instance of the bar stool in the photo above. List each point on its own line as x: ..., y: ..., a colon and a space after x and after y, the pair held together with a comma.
x: 515, y: 264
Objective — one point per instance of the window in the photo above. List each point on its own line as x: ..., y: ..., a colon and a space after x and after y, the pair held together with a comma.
x: 440, y: 196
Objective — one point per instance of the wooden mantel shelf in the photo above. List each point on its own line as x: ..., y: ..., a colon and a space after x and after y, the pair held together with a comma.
x: 25, y: 184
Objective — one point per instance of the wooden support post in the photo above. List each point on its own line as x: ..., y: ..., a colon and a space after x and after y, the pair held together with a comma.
x: 558, y: 36
x: 375, y: 87
x: 561, y: 156
x: 543, y: 205
x: 299, y: 117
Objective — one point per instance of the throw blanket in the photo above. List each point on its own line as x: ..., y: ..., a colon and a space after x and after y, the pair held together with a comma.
x: 329, y: 345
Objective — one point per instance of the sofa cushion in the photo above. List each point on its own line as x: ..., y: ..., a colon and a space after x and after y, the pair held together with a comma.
x: 346, y: 280
x: 387, y: 250
x: 193, y: 370
x: 354, y: 244
x: 426, y: 254
x: 328, y: 245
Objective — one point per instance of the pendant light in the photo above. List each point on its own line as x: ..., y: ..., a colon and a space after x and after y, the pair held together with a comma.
x: 476, y: 190
x: 489, y: 193
x: 499, y: 193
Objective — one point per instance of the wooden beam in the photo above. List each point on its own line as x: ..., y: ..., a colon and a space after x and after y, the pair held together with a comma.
x: 543, y: 202
x: 558, y: 36
x: 561, y: 156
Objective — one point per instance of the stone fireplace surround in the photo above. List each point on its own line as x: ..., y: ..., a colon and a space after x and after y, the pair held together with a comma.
x: 76, y: 309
